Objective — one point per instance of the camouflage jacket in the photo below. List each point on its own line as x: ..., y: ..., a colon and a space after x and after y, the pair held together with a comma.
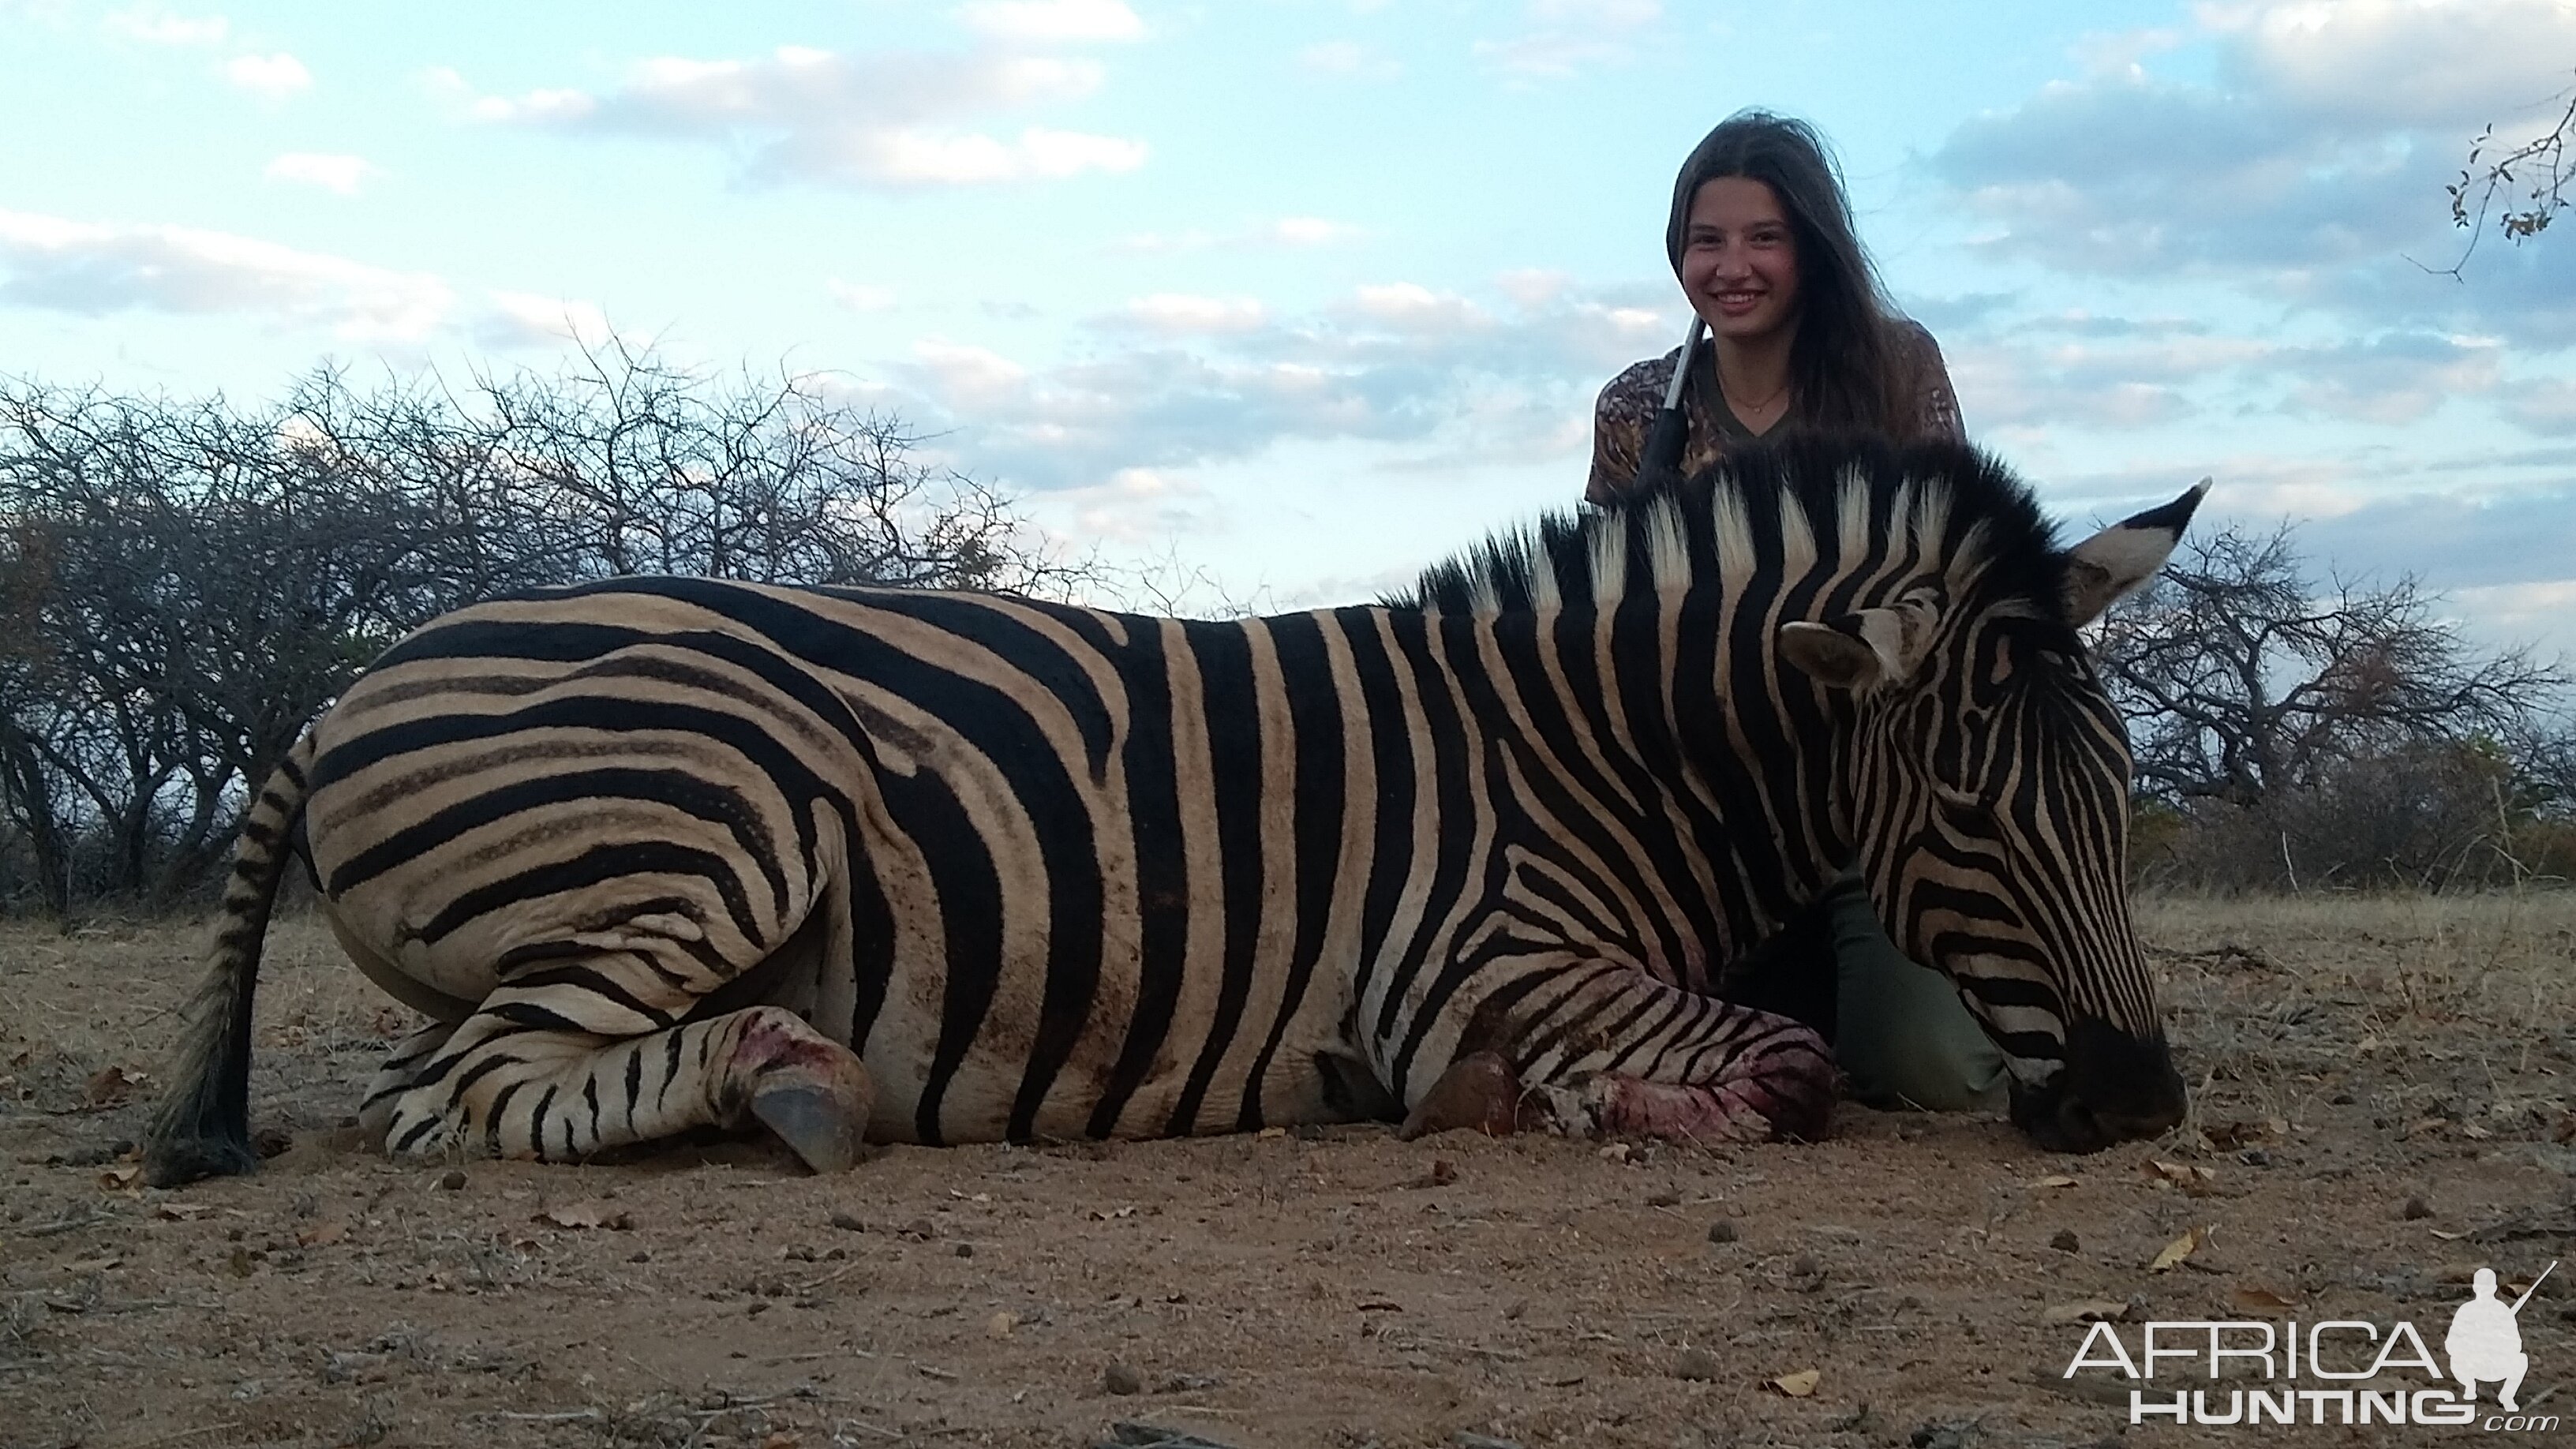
x: 1626, y: 413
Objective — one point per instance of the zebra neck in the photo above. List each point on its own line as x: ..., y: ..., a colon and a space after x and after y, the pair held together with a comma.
x: 1652, y: 719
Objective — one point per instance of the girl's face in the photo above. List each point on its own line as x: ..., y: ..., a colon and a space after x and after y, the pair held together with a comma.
x: 1740, y: 260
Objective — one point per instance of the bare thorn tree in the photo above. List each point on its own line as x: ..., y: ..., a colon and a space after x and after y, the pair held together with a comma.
x: 2336, y: 729
x: 2241, y: 677
x: 183, y: 584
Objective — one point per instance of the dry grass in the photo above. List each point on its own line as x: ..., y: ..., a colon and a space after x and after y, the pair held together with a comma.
x: 110, y: 995
x: 2458, y: 1006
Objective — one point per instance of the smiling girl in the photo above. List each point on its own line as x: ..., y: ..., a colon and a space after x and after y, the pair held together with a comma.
x: 1761, y: 237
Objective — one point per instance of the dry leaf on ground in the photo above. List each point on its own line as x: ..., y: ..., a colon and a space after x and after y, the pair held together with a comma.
x: 2194, y: 1181
x: 2252, y: 1298
x: 2179, y: 1249
x: 1799, y: 1385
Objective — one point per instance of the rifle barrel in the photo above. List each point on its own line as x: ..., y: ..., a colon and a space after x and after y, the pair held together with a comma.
x: 2535, y: 1285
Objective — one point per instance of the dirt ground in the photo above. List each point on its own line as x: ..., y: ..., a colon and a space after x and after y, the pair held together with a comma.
x: 2385, y: 1099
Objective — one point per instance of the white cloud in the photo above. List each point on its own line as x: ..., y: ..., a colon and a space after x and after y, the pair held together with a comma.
x: 860, y: 296
x: 96, y: 269
x: 518, y: 320
x: 1040, y: 22
x: 2120, y: 53
x: 1177, y: 381
x: 1530, y: 287
x: 159, y: 27
x: 1137, y: 506
x: 2395, y: 378
x: 329, y: 170
x: 1547, y: 56
x: 2442, y: 63
x: 1309, y: 231
x: 882, y: 121
x: 2302, y: 160
x: 1175, y: 314
x: 1597, y: 14
x: 1348, y: 58
x: 2546, y: 405
x: 1412, y: 307
x: 2469, y: 541
x: 269, y: 77
x: 1068, y: 153
x: 930, y: 158
x: 1567, y: 36
x: 970, y: 376
x: 2533, y: 613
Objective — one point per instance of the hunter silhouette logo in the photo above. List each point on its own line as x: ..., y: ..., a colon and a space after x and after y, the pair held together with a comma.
x: 2334, y: 1371
x: 2485, y: 1341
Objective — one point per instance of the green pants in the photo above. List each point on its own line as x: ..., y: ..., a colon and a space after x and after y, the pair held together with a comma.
x: 1899, y: 1030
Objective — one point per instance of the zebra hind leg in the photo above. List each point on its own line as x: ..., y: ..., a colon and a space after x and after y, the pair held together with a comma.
x: 1705, y: 1071
x: 396, y: 1075
x: 560, y: 1068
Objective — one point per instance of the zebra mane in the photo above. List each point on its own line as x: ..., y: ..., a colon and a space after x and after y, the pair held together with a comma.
x: 1766, y: 507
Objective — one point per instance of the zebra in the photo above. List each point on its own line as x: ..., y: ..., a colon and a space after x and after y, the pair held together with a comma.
x: 866, y: 865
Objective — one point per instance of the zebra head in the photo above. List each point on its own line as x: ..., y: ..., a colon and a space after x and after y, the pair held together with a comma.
x: 1988, y: 790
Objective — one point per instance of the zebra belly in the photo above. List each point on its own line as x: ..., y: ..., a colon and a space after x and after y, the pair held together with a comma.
x: 393, y: 980
x: 1197, y: 1082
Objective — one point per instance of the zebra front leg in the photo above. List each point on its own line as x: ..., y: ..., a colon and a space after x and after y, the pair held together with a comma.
x: 512, y: 1082
x: 1599, y: 1048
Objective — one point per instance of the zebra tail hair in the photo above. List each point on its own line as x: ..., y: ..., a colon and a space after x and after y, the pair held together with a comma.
x: 203, y: 1126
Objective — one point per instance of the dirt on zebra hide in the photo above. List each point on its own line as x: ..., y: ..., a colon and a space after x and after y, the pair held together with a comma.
x: 2384, y: 1100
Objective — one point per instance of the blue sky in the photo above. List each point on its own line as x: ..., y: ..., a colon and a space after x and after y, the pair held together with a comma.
x: 1306, y: 293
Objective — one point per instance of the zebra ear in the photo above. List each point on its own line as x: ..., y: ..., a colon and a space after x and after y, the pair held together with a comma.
x: 2127, y: 554
x: 1861, y: 650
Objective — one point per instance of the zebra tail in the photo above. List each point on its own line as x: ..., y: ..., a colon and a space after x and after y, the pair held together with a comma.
x: 203, y: 1126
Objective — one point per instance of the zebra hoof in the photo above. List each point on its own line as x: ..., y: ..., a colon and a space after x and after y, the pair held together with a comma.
x: 816, y: 1123
x: 1479, y: 1091
x: 811, y: 1091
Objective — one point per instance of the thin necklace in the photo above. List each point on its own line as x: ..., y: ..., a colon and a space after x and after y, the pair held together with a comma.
x: 1762, y: 406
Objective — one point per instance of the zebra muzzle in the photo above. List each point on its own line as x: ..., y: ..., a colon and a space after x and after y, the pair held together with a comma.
x: 2114, y: 1088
